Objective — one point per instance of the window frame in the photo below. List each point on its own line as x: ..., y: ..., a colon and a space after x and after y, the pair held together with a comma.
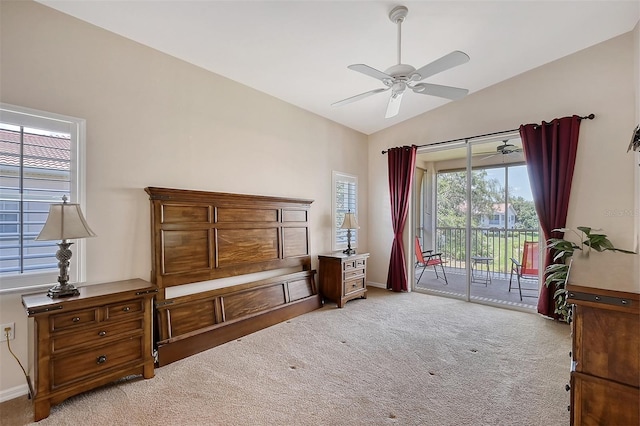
x: 76, y: 127
x: 337, y: 177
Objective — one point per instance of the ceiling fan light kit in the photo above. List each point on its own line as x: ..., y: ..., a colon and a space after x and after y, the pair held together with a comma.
x: 400, y: 76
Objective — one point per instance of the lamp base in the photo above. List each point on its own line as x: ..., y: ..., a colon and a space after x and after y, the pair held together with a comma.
x: 63, y: 290
x: 349, y: 251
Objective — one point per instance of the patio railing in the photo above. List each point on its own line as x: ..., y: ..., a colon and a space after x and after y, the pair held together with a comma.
x: 498, y: 244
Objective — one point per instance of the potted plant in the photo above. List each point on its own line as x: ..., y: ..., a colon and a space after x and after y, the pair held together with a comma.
x: 558, y: 272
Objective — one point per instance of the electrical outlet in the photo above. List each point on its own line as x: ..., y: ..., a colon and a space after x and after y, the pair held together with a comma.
x: 12, y: 327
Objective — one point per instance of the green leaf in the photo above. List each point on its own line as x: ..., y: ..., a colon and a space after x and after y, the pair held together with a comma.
x: 584, y: 229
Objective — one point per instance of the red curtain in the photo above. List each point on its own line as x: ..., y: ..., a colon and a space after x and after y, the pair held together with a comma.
x: 550, y: 153
x: 402, y: 162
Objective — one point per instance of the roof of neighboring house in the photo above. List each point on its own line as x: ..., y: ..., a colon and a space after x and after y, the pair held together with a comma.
x: 40, y: 151
x: 499, y: 208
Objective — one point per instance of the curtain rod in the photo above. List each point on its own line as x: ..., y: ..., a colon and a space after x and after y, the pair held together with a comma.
x: 586, y: 117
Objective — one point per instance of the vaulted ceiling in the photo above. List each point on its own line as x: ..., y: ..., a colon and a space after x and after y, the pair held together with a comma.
x: 298, y: 51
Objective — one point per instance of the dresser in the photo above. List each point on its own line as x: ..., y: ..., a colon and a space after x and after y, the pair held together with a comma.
x: 605, y: 376
x: 86, y: 341
x: 343, y: 277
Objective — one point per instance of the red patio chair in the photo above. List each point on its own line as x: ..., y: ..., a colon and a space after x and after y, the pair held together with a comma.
x: 529, y: 266
x: 429, y: 258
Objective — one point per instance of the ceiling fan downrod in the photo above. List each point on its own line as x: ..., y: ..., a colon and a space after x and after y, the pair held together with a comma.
x: 397, y: 16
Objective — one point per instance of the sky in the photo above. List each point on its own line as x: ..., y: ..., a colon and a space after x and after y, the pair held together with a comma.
x: 518, y: 180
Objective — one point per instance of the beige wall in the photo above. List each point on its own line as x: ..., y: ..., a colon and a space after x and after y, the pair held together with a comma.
x: 597, y: 80
x: 153, y: 120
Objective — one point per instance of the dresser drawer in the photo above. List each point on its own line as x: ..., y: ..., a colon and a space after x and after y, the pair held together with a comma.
x: 95, y: 335
x: 81, y: 366
x: 352, y: 286
x: 599, y: 402
x: 128, y: 308
x: 74, y: 319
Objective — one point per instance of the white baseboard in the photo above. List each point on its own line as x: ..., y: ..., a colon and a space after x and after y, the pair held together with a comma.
x: 14, y: 392
x: 378, y: 285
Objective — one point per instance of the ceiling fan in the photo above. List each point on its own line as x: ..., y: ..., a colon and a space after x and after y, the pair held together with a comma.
x: 505, y: 149
x: 400, y: 76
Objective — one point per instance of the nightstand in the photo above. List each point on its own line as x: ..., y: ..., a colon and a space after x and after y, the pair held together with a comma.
x: 343, y: 277
x: 86, y: 341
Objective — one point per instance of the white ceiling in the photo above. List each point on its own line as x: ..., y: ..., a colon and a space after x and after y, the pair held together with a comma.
x: 298, y: 51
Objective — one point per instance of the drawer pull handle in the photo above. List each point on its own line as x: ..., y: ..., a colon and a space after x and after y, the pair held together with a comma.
x: 76, y: 319
x: 101, y: 359
x: 126, y: 309
x: 102, y: 333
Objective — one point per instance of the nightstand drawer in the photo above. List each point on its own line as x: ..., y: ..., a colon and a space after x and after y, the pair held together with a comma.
x: 74, y: 319
x: 348, y: 265
x: 95, y: 335
x: 354, y: 273
x: 353, y: 285
x: 123, y: 309
x: 80, y: 366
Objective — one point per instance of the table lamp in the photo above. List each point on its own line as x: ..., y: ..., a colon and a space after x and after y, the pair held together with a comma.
x: 349, y: 223
x: 65, y: 222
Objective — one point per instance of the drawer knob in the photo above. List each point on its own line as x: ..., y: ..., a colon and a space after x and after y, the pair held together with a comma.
x: 101, y: 359
x: 102, y: 333
x: 76, y: 319
x: 126, y: 309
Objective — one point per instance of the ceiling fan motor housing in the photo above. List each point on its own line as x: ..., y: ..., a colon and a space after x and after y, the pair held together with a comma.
x: 401, y: 71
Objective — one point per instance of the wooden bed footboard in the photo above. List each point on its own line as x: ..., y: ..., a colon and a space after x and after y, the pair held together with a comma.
x: 193, y: 323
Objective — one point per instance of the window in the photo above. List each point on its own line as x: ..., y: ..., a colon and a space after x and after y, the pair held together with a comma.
x: 40, y: 161
x: 345, y: 199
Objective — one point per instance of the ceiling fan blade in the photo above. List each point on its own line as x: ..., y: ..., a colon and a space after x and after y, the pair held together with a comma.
x: 488, y: 156
x: 450, y: 60
x: 394, y: 104
x: 448, y: 92
x: 371, y: 72
x: 360, y: 96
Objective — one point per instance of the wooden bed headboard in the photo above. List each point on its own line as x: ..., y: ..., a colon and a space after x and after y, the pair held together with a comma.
x: 200, y: 236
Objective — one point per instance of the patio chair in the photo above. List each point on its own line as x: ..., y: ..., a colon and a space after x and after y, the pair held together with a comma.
x: 429, y: 258
x: 528, y: 268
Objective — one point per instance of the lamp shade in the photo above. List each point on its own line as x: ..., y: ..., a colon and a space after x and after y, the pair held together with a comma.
x: 65, y: 222
x: 350, y: 221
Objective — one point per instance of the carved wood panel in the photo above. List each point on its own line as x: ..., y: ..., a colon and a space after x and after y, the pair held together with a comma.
x: 185, y: 250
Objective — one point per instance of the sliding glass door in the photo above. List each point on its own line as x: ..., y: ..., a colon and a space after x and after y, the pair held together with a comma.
x: 483, y: 217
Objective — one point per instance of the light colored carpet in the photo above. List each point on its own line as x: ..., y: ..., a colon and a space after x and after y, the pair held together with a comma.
x: 394, y: 358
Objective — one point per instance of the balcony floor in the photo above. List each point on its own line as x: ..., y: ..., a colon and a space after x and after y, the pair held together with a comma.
x: 496, y: 292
